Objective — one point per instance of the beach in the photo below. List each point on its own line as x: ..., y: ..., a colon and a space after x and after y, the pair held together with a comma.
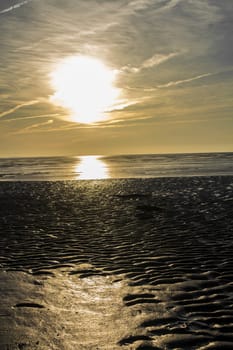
x: 117, y: 264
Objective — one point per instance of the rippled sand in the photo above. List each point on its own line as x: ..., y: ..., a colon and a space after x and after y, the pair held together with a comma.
x: 117, y: 264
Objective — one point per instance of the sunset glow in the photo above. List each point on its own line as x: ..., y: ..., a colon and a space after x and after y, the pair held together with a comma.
x: 115, y: 77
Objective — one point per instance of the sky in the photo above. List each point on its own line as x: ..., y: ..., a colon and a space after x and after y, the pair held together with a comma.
x: 173, y: 66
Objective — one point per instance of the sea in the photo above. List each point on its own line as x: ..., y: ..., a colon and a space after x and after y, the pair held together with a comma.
x: 117, y: 166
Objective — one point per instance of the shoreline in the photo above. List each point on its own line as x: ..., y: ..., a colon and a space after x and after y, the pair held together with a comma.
x: 142, y: 178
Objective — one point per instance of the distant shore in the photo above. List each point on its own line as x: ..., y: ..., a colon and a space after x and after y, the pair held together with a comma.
x: 117, y: 264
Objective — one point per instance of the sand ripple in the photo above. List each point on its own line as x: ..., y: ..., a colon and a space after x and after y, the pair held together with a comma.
x: 170, y: 239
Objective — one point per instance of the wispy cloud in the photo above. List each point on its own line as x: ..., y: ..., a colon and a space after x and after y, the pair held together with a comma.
x: 161, y: 5
x: 116, y: 123
x: 171, y: 4
x: 16, y: 6
x: 52, y: 115
x: 155, y: 60
x: 158, y: 59
x: 184, y: 81
x: 177, y: 82
x: 33, y: 127
x: 139, y: 4
x: 14, y: 109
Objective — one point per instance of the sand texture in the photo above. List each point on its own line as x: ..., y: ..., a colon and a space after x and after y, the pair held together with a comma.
x: 136, y: 264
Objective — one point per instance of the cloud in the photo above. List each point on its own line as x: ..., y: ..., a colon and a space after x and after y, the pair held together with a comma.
x: 16, y: 6
x: 14, y: 109
x: 52, y: 115
x: 171, y: 4
x: 31, y: 128
x: 178, y: 82
x: 222, y: 73
x: 159, y: 5
x: 155, y: 60
x: 139, y: 4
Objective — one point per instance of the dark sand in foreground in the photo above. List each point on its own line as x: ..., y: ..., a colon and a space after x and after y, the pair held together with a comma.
x: 117, y: 264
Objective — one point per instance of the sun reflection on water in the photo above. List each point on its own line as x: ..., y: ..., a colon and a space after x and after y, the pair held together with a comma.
x: 91, y: 168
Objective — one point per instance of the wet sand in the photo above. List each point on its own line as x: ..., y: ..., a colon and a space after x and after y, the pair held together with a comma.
x: 117, y: 264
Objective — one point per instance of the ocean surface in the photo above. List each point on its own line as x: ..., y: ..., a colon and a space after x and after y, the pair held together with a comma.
x: 122, y: 166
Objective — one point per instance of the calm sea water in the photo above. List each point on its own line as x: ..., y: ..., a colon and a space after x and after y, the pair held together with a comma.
x: 122, y: 166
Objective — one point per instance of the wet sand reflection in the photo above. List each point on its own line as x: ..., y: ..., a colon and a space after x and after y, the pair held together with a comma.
x: 90, y: 168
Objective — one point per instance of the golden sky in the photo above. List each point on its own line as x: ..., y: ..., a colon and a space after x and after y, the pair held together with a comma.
x: 81, y: 77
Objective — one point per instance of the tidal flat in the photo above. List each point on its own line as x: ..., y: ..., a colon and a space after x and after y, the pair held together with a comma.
x: 136, y: 264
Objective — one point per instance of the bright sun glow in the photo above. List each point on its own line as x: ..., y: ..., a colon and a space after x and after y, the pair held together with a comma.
x: 91, y: 167
x: 84, y: 86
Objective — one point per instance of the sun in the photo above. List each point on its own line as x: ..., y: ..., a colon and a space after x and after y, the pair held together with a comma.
x: 85, y: 86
